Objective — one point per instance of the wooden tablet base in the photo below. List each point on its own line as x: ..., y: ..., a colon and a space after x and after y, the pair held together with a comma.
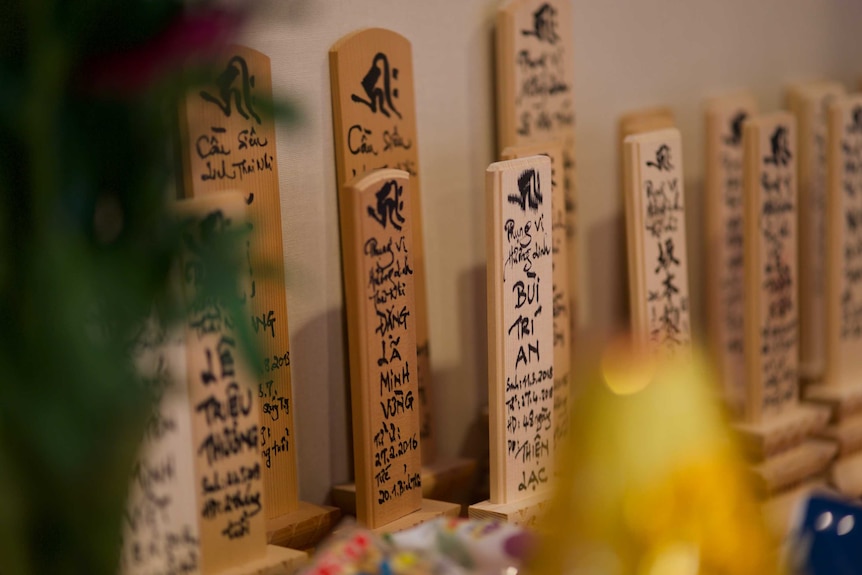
x: 344, y: 497
x: 793, y: 466
x: 525, y: 513
x: 430, y: 510
x: 842, y: 401
x: 847, y: 434
x: 303, y: 528
x: 443, y: 480
x: 845, y: 430
x: 770, y: 437
x: 448, y: 479
x: 846, y: 475
x: 277, y: 561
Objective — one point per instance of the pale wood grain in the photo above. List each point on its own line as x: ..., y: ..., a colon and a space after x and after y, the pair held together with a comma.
x: 535, y: 95
x: 808, y: 102
x: 771, y: 273
x: 724, y: 260
x: 520, y: 327
x: 655, y: 231
x: 377, y: 254
x: 228, y: 143
x: 524, y: 512
x: 228, y: 483
x: 562, y: 290
x: 374, y: 125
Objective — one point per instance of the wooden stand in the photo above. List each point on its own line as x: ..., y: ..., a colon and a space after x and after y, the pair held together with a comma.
x: 792, y: 466
x: 303, y: 528
x: 446, y: 476
x: 524, y: 512
x: 429, y: 510
x: 277, y: 561
x: 774, y: 435
x: 846, y: 475
x: 843, y: 401
x: 344, y: 497
x: 847, y: 434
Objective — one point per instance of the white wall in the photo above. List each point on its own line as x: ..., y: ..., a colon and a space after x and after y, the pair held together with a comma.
x: 629, y: 54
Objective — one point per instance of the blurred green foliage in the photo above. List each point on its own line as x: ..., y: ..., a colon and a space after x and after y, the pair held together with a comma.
x: 86, y: 250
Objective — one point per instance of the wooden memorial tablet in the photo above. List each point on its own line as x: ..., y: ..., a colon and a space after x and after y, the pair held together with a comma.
x: 374, y: 120
x: 841, y: 388
x: 160, y: 526
x: 843, y: 375
x: 374, y: 123
x: 639, y: 122
x: 724, y: 224
x: 535, y: 94
x: 655, y: 232
x: 229, y: 143
x: 644, y: 120
x: 520, y: 337
x: 774, y: 420
x: 772, y: 313
x: 561, y: 288
x: 198, y: 502
x: 379, y: 277
x: 809, y: 102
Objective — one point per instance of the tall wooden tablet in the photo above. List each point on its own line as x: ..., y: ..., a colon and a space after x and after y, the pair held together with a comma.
x: 641, y: 121
x: 160, y: 525
x: 655, y: 231
x: 842, y: 385
x: 379, y: 281
x: 229, y: 143
x: 776, y: 428
x: 644, y: 120
x: 841, y: 388
x: 225, y: 418
x: 724, y: 224
x: 520, y: 327
x: 561, y: 289
x: 844, y: 245
x: 809, y: 103
x: 771, y: 309
x: 374, y: 121
x: 198, y: 502
x: 535, y: 92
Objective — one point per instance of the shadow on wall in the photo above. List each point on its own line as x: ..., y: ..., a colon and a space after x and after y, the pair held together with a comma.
x: 606, y: 271
x: 695, y: 223
x: 469, y: 378
x: 321, y: 393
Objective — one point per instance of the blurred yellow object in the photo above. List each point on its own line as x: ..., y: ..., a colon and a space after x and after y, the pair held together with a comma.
x: 650, y: 482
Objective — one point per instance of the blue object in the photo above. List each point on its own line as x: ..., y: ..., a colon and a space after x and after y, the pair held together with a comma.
x: 830, y: 539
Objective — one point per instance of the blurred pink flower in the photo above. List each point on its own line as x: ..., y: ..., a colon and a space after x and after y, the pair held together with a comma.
x: 192, y: 37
